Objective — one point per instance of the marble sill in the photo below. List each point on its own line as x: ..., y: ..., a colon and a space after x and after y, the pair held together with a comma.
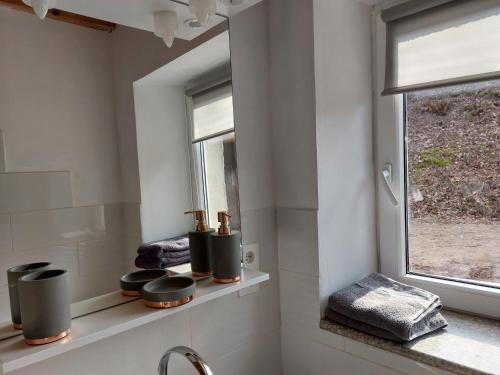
x: 468, y: 346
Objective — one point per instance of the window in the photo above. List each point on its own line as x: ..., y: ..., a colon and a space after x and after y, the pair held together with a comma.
x: 437, y: 144
x: 213, y: 145
x: 453, y: 183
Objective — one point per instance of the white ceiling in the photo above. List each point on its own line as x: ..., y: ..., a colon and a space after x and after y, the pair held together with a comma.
x: 139, y: 13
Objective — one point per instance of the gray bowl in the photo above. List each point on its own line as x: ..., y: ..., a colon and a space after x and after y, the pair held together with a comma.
x: 168, y: 292
x: 131, y: 284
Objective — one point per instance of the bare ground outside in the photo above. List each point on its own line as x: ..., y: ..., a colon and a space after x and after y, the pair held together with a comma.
x: 466, y: 251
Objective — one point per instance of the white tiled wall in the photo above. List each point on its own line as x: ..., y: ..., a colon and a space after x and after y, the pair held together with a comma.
x: 58, y: 114
x: 236, y: 335
x: 87, y: 241
x: 325, y: 235
x: 139, y: 350
x: 60, y: 189
x: 258, y: 356
x: 68, y: 225
x: 5, y: 235
x: 35, y: 191
x: 298, y: 240
x: 311, y: 357
x: 134, y: 352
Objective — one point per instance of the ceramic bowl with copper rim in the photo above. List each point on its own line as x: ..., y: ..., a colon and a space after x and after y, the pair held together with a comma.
x: 131, y: 284
x: 168, y: 292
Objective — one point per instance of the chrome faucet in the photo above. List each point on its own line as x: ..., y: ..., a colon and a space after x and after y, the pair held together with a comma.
x: 193, y: 357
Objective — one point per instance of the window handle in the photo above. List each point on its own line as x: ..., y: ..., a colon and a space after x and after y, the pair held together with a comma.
x: 387, y: 175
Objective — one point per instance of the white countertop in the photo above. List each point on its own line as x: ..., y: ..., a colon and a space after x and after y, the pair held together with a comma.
x: 15, y: 354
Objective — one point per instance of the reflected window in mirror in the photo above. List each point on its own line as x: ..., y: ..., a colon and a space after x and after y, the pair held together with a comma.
x: 213, y: 146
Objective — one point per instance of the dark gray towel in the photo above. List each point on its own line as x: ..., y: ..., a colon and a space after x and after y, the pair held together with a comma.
x: 432, y: 322
x: 154, y: 262
x: 405, y: 312
x: 163, y: 247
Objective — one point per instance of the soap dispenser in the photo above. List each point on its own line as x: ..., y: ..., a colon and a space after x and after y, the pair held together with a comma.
x: 199, y: 245
x: 226, y: 253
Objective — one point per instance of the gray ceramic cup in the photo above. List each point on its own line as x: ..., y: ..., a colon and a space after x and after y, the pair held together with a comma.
x: 13, y: 275
x: 45, y: 306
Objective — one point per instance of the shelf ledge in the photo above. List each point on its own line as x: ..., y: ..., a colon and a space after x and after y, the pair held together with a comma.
x: 15, y: 354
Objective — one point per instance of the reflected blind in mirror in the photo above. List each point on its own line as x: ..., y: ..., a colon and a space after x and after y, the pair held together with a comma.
x: 213, y: 113
x: 451, y: 43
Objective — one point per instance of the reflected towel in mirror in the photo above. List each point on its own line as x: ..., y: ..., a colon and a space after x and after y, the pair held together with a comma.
x: 163, y: 247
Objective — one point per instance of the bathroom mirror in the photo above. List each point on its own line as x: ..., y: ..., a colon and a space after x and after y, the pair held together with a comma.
x: 105, y: 140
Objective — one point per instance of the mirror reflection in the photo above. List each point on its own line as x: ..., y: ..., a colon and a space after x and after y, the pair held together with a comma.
x: 105, y: 141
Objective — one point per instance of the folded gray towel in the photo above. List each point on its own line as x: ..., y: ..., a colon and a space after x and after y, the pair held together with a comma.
x: 163, y: 247
x: 152, y: 262
x: 405, y: 312
x: 432, y: 322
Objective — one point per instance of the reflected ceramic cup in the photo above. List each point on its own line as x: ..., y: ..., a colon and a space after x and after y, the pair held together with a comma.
x: 45, y: 306
x: 13, y: 275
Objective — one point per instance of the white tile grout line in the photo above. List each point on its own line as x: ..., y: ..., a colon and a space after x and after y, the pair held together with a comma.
x: 68, y: 207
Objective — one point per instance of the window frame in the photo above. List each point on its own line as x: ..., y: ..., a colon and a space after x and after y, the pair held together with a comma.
x: 196, y: 147
x: 390, y: 147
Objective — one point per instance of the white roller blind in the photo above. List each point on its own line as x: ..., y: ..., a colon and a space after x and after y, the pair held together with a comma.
x: 449, y: 44
x: 212, y: 112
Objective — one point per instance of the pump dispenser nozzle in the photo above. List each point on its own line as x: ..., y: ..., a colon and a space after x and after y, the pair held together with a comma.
x: 201, y: 218
x: 223, y: 219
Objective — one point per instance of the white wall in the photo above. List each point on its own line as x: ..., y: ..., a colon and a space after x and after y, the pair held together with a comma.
x: 162, y: 148
x: 135, y: 54
x: 56, y: 104
x: 293, y: 109
x: 344, y: 138
x: 61, y: 193
x: 236, y: 335
x: 294, y: 154
x: 326, y: 249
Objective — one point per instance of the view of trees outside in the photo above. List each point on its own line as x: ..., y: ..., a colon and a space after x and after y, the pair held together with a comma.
x: 454, y: 182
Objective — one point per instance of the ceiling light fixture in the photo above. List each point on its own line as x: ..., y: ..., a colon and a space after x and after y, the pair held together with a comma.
x: 41, y: 7
x: 193, y: 23
x: 203, y: 10
x: 165, y: 26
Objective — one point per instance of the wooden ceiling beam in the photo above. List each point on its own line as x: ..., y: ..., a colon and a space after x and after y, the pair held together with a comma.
x: 63, y: 16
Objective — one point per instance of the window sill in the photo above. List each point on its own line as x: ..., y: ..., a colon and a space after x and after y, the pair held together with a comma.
x: 15, y: 354
x: 469, y: 345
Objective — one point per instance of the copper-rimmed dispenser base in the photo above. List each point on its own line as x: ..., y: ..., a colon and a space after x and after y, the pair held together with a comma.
x: 17, y: 325
x: 228, y: 281
x: 131, y: 293
x: 168, y: 304
x: 202, y: 274
x: 47, y: 340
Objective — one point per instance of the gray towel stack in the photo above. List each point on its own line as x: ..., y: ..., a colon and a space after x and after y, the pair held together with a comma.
x: 386, y: 308
x: 164, y: 253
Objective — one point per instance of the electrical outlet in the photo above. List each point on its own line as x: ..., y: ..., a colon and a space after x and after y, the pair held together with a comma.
x: 251, y: 256
x: 250, y: 261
